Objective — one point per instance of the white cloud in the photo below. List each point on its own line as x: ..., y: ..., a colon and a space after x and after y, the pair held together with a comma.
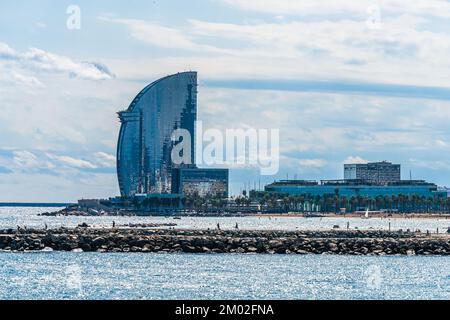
x: 47, y: 61
x: 155, y: 34
x: 403, y: 51
x: 161, y: 36
x: 73, y: 162
x: 22, y: 79
x: 105, y: 159
x: 440, y: 8
x: 43, y: 61
x: 353, y: 160
x: 313, y: 163
x: 431, y: 164
x: 25, y: 159
x: 6, y: 52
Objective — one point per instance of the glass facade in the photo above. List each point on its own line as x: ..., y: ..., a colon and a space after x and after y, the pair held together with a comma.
x: 204, y: 182
x: 354, y: 190
x: 374, y: 172
x: 144, y: 164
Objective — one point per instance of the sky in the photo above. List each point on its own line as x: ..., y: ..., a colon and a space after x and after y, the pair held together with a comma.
x: 343, y: 81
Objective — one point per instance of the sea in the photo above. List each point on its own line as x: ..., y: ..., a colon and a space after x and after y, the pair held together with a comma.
x: 83, y: 275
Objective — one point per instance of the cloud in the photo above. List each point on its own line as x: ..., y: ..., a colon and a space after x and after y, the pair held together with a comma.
x: 6, y: 52
x: 406, y: 50
x: 49, y: 163
x: 4, y: 170
x: 50, y: 62
x: 376, y: 89
x: 25, y: 159
x: 160, y: 36
x: 39, y: 60
x: 312, y: 163
x: 353, y: 160
x: 431, y: 164
x: 21, y: 79
x: 437, y: 8
x: 105, y: 159
x: 73, y: 162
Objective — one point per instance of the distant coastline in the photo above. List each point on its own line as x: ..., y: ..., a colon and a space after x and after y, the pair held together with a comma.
x: 359, y: 216
x: 35, y: 204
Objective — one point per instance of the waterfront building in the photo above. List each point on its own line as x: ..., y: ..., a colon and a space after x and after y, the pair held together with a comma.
x: 144, y: 147
x: 203, y: 182
x: 373, y: 172
x: 355, y: 188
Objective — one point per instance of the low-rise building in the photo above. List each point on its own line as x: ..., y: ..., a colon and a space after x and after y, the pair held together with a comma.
x: 203, y: 182
x: 354, y: 188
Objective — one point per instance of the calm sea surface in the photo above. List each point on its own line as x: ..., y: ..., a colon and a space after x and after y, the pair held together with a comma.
x: 63, y: 275
x: 11, y: 217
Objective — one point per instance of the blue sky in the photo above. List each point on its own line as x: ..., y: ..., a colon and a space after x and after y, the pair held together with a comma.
x: 342, y: 80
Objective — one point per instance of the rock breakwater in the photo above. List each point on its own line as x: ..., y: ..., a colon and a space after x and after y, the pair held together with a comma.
x: 217, y: 241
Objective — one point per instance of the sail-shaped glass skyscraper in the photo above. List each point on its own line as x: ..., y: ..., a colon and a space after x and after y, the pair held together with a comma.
x: 144, y: 148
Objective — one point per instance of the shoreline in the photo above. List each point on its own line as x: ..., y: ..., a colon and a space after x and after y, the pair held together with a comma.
x: 348, y: 242
x: 358, y: 216
x: 76, y: 212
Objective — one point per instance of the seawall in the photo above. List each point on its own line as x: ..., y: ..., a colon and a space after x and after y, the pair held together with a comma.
x: 354, y: 242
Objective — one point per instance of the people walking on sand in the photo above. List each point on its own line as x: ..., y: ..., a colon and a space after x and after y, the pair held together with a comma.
x: 114, y: 224
x: 236, y: 226
x: 218, y: 226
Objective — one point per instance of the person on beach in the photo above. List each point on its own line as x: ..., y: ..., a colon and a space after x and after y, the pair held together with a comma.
x: 237, y: 226
x: 114, y: 224
x: 218, y: 226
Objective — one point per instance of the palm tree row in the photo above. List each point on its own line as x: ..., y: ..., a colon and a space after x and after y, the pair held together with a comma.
x: 335, y: 202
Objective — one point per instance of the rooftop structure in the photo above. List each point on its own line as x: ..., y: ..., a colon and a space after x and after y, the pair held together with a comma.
x: 373, y: 172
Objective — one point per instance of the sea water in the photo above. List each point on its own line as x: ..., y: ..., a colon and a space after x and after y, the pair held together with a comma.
x: 67, y: 275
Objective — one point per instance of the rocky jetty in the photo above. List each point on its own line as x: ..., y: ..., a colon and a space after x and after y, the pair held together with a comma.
x: 77, y: 211
x: 147, y: 225
x: 218, y: 241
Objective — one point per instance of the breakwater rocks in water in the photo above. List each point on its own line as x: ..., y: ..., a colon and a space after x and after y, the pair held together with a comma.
x: 77, y: 211
x: 217, y: 241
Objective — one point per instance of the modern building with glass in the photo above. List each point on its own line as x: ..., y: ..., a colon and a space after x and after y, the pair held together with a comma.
x: 382, y: 172
x: 144, y: 147
x: 348, y: 189
x: 144, y: 150
x: 203, y: 182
